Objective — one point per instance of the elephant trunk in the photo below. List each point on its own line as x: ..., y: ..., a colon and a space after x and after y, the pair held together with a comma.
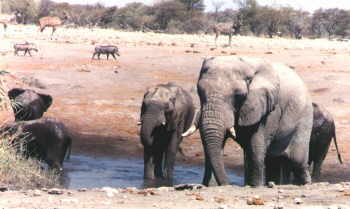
x: 149, y: 123
x: 213, y: 131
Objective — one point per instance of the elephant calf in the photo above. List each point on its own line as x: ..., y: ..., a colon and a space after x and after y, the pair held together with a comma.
x: 26, y: 47
x: 323, y: 130
x: 167, y: 111
x: 28, y: 104
x: 106, y: 49
x: 322, y: 133
x: 46, y: 139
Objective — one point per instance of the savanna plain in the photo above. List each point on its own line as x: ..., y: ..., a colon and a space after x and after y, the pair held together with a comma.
x: 99, y: 100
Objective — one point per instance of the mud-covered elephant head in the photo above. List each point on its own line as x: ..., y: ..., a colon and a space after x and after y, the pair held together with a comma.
x: 167, y: 110
x: 28, y: 104
x: 238, y: 98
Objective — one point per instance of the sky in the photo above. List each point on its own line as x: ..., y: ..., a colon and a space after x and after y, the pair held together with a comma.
x: 308, y: 5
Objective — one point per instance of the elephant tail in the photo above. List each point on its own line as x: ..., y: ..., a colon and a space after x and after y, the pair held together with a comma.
x: 336, y: 144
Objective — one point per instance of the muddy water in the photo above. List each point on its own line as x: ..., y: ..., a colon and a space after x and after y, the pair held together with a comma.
x: 86, y: 171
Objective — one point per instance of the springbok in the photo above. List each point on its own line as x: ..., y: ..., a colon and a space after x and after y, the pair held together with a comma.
x: 7, y: 19
x: 49, y: 21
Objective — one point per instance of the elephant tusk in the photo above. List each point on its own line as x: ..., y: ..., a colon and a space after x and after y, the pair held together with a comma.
x: 139, y: 123
x: 190, y: 131
x: 233, y: 133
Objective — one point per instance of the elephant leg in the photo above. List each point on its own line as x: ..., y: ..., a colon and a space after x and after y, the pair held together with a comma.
x: 208, y: 171
x: 299, y: 163
x: 318, y: 161
x: 159, y: 163
x: 255, y: 158
x: 148, y: 163
x: 170, y: 158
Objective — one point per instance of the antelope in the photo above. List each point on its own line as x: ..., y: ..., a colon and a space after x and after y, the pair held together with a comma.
x: 7, y: 19
x: 49, y: 21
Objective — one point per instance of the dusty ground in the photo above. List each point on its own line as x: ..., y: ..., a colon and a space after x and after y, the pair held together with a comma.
x: 99, y: 100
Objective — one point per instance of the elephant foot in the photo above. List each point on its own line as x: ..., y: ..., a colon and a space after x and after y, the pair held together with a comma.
x: 303, y: 179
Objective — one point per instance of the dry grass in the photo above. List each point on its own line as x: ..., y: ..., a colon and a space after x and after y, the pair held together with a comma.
x: 16, y: 171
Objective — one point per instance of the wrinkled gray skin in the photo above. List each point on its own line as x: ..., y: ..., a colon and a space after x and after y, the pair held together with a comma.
x: 28, y: 104
x: 167, y: 111
x: 268, y: 106
x: 323, y: 131
x: 26, y: 47
x: 107, y: 50
x: 46, y: 139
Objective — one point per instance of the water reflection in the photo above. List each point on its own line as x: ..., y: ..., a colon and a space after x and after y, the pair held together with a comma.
x: 83, y: 171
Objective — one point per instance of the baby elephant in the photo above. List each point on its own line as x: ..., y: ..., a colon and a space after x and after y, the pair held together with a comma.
x: 105, y: 49
x: 167, y: 111
x: 28, y: 104
x: 26, y: 47
x: 46, y: 139
x: 323, y: 131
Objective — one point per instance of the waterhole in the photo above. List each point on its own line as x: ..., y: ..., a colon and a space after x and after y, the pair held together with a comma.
x: 84, y: 171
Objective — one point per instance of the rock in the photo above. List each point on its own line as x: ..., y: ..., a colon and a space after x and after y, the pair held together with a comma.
x: 110, y: 192
x: 182, y: 187
x: 164, y: 189
x: 55, y: 191
x: 256, y: 200
x: 271, y: 184
x: 69, y: 200
x: 298, y: 201
x: 36, y: 193
x: 223, y: 207
x: 82, y: 190
x: 219, y: 199
x: 3, y: 189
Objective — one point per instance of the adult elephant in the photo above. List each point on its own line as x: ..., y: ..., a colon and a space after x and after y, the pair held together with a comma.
x: 27, y: 104
x: 46, y: 139
x: 323, y: 131
x: 264, y: 106
x: 167, y: 111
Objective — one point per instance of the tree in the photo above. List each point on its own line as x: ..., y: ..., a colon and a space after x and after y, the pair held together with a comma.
x: 331, y: 21
x: 217, y: 4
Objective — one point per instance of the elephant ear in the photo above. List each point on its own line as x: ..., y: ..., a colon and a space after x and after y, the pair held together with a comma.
x: 47, y: 101
x: 262, y: 96
x: 13, y: 93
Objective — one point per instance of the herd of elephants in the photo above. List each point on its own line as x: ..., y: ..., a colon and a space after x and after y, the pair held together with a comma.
x: 265, y: 107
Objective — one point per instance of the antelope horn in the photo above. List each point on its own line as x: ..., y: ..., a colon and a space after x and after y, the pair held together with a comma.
x: 190, y: 131
x: 233, y: 133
